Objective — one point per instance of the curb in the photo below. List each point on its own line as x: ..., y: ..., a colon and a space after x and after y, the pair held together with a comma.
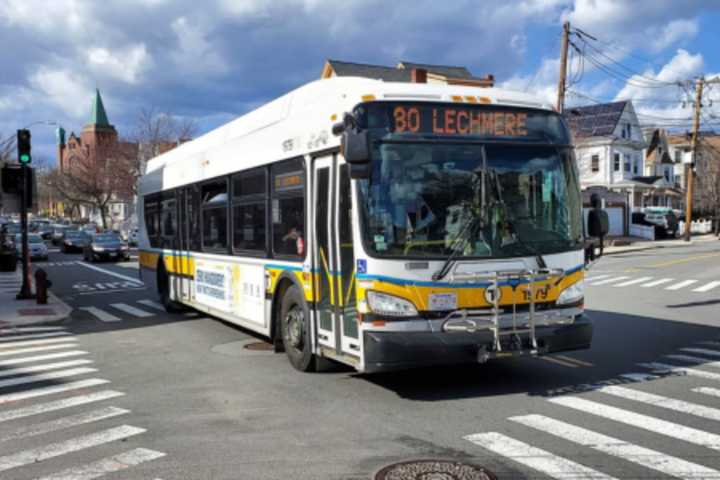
x: 631, y: 249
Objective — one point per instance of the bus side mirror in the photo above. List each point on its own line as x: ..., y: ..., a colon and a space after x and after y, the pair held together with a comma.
x: 356, y: 150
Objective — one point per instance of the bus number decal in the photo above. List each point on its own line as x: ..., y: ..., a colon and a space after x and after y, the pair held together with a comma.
x: 407, y: 119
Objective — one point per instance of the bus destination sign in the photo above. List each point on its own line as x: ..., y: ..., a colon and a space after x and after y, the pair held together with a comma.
x: 452, y: 120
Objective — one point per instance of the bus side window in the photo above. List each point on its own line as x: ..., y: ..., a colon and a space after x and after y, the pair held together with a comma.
x: 152, y: 219
x: 288, y: 208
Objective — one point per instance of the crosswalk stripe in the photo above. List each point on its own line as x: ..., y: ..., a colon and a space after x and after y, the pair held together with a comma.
x: 609, y: 280
x: 39, y: 392
x: 37, y: 358
x: 707, y: 287
x: 55, y: 405
x: 707, y: 391
x: 592, y: 278
x: 33, y: 455
x: 131, y: 310
x: 645, y: 457
x: 101, y: 315
x: 63, y: 423
x: 657, y: 282
x: 696, y: 360
x: 30, y: 343
x: 633, y: 281
x: 43, y: 368
x: 33, y: 336
x: 652, y: 424
x: 662, y: 402
x: 151, y: 304
x: 713, y: 343
x: 107, y: 465
x: 48, y: 328
x: 545, y: 462
x: 702, y: 351
x: 72, y: 372
x: 680, y: 285
x: 695, y: 372
x: 37, y: 349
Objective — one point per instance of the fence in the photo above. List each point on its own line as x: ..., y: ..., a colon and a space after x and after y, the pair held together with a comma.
x: 642, y: 231
x: 699, y: 227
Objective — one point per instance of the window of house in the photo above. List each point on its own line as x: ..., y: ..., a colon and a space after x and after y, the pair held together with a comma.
x: 249, y: 218
x: 629, y: 130
x: 678, y: 156
x: 627, y: 162
x: 214, y: 215
x: 288, y: 208
x: 595, y: 163
x: 667, y: 175
x: 616, y: 162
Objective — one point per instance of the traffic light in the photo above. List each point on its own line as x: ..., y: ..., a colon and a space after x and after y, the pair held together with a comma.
x: 23, y: 144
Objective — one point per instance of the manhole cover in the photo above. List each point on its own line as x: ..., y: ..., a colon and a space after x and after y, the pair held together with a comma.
x: 434, y: 470
x: 258, y: 346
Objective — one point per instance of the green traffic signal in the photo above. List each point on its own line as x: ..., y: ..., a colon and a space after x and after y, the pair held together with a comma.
x: 24, y: 158
x: 23, y: 144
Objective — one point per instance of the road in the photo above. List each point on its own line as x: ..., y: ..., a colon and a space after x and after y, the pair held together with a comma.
x: 129, y: 390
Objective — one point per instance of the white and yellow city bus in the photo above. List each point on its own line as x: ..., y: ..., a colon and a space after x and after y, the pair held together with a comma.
x: 382, y: 225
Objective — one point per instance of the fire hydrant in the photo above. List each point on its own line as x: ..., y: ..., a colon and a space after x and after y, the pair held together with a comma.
x: 41, y: 286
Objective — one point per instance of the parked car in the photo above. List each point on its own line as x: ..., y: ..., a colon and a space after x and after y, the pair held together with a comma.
x: 664, y: 218
x: 58, y: 233
x: 74, y: 241
x: 36, y: 246
x: 8, y: 255
x: 106, y: 246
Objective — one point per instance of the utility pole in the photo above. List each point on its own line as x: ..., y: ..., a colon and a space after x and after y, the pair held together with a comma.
x: 563, y: 67
x: 693, y: 147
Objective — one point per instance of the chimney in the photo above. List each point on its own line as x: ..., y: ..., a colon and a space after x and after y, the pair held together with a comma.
x: 418, y: 75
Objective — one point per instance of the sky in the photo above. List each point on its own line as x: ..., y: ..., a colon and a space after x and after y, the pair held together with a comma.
x: 214, y: 60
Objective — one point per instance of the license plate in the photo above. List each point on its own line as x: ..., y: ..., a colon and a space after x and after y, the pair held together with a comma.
x: 443, y: 301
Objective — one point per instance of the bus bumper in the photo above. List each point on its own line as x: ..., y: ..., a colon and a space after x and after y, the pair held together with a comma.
x: 387, y: 351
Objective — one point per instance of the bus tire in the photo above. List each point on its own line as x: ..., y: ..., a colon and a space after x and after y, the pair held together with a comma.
x: 170, y: 305
x: 294, y: 322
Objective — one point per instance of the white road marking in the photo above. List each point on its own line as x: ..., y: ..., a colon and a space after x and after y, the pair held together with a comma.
x: 63, y: 423
x: 72, y: 372
x: 707, y: 391
x: 152, y: 304
x: 633, y: 281
x: 707, y: 287
x: 110, y: 272
x: 37, y: 358
x: 39, y: 392
x: 32, y: 336
x: 695, y: 372
x: 43, y: 368
x: 680, y: 285
x: 657, y: 282
x: 592, y: 278
x: 75, y: 401
x: 535, y: 458
x: 100, y: 286
x: 101, y: 315
x: 663, y: 402
x: 104, y: 466
x: 651, y: 459
x: 646, y: 422
x: 696, y: 360
x: 609, y: 280
x: 34, y: 455
x: 131, y: 310
x: 31, y: 329
x: 702, y: 351
x: 30, y: 343
x: 37, y: 349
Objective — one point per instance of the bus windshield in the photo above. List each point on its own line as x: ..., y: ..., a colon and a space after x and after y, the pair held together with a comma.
x: 484, y: 200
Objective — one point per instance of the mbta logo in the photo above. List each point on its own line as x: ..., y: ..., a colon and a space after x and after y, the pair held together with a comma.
x: 493, y: 294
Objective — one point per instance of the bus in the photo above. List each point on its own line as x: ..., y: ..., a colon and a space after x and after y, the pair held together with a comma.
x: 381, y: 225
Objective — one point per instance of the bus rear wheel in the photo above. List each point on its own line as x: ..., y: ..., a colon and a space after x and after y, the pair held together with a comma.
x: 294, y: 327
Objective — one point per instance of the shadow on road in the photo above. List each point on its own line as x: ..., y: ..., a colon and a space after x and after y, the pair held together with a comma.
x: 704, y: 303
x: 620, y: 342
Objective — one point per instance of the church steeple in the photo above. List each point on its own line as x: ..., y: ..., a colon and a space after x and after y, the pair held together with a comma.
x: 98, y: 116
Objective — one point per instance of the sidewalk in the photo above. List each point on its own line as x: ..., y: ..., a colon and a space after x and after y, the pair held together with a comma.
x: 14, y: 313
x: 640, y: 245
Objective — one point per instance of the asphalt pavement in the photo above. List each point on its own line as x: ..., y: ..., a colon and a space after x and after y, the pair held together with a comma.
x: 124, y: 389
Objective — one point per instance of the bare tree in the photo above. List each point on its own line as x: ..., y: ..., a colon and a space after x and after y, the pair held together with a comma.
x: 708, y: 184
x: 7, y: 148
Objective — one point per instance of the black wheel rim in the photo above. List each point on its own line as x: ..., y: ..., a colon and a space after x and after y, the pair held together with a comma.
x: 295, y: 327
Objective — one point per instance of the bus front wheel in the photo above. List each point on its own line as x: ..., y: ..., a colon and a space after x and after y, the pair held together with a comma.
x: 294, y: 327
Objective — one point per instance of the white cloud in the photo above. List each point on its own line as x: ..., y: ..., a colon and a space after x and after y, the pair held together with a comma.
x: 542, y: 83
x: 196, y: 54
x: 64, y: 89
x: 126, y: 64
x: 46, y: 16
x: 683, y: 65
x: 674, y: 32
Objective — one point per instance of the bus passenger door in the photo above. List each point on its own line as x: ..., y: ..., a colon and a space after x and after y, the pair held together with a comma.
x: 183, y: 248
x: 334, y: 260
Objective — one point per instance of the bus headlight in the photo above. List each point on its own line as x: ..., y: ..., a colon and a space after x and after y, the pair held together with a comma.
x: 572, y: 294
x: 390, y: 305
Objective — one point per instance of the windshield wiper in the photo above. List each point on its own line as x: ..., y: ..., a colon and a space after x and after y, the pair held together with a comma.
x: 470, y: 225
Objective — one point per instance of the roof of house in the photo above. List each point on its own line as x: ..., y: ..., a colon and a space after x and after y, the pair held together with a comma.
x: 97, y: 114
x: 595, y: 120
x: 658, y: 135
x: 649, y: 179
x: 445, y: 70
